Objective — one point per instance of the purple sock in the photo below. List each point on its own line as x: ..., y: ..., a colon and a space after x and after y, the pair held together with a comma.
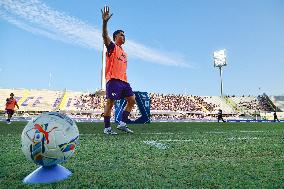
x: 125, y: 115
x: 107, y: 121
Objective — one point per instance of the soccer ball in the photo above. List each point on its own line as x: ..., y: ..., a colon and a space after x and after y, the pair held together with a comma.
x: 50, y: 138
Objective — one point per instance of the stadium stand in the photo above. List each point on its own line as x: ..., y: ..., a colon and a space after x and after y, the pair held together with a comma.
x: 278, y: 101
x: 246, y: 104
x: 33, y: 100
x: 218, y: 103
x: 173, y: 103
x: 163, y: 106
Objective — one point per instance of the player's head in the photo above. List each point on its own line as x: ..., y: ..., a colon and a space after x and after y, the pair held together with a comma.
x: 12, y: 95
x: 7, y: 99
x: 118, y: 37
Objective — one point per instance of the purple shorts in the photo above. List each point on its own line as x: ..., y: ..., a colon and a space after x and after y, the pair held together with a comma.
x: 117, y: 89
x: 10, y: 112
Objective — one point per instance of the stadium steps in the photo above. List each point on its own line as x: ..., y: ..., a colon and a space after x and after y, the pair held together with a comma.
x: 102, y: 102
x: 228, y: 108
x: 278, y: 101
x: 62, y: 104
x: 23, y: 98
x: 271, y: 103
x: 232, y: 104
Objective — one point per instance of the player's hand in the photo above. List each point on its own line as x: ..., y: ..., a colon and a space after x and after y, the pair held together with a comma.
x: 105, y: 14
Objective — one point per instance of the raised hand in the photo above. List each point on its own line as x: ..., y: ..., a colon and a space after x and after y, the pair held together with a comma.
x: 105, y: 14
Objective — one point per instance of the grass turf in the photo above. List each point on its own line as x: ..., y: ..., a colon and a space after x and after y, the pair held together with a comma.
x: 194, y: 155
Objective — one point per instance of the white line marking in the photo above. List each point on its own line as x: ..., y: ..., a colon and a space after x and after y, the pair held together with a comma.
x: 91, y: 134
x: 243, y: 138
x: 216, y: 132
x: 158, y: 133
x: 251, y: 131
x: 167, y: 133
x: 156, y: 144
x: 176, y: 140
x: 222, y: 132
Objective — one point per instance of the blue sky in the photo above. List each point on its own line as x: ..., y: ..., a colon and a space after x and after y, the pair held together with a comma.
x: 170, y: 44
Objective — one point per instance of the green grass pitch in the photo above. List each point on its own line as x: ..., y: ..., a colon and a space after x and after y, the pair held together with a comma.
x: 160, y: 155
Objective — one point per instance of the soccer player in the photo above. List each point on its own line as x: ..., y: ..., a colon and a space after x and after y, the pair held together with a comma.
x: 10, y: 106
x: 275, y: 117
x: 220, y: 115
x: 117, y: 86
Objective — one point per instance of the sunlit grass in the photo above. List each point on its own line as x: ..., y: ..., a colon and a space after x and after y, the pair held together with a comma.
x: 196, y: 155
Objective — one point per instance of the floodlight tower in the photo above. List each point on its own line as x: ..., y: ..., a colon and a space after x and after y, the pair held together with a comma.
x: 103, y: 80
x: 49, y: 81
x: 220, y: 61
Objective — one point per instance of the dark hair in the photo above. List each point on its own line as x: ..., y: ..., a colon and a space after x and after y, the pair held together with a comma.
x: 115, y: 33
x: 12, y: 94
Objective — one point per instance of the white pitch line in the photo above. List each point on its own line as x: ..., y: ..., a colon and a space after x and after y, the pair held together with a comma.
x: 176, y: 140
x: 251, y: 131
x: 156, y: 144
x: 158, y: 133
x: 216, y: 132
x: 243, y: 138
x: 209, y: 132
x: 91, y: 134
x: 222, y: 132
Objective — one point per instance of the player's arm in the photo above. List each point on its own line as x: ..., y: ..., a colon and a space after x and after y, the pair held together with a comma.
x: 7, y: 101
x: 105, y: 17
x: 17, y: 105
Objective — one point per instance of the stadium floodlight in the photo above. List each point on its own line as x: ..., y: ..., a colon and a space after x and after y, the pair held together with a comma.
x: 219, y: 58
x: 220, y: 61
x: 49, y: 81
x: 103, y: 80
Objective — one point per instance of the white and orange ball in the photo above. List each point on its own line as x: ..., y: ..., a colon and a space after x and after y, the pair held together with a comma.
x: 50, y: 138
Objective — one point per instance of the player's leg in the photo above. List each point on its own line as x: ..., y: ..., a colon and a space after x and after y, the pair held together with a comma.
x: 130, y: 98
x: 125, y: 114
x: 128, y: 108
x: 113, y: 92
x: 10, y: 113
x: 128, y: 94
x: 107, y: 116
x: 8, y: 118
